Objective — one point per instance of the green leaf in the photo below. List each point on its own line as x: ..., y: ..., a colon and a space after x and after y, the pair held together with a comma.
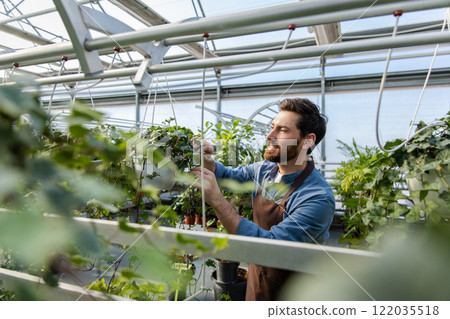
x: 392, y: 144
x: 445, y: 196
x: 423, y: 194
x: 434, y: 217
x: 77, y: 131
x: 236, y: 187
x: 82, y: 111
x: 123, y: 225
x: 398, y: 211
x: 431, y: 205
x: 430, y: 166
x: 79, y: 260
x: 166, y: 211
x: 219, y: 242
x: 14, y: 102
x: 129, y: 274
x: 210, y: 263
x: 414, y: 214
x: 444, y: 155
x: 351, y: 202
x: 186, y: 241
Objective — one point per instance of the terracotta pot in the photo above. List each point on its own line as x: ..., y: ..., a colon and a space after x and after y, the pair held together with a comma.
x: 199, y: 220
x: 189, y: 220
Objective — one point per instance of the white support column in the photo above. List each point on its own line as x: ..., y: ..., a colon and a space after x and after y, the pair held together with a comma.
x: 79, y: 33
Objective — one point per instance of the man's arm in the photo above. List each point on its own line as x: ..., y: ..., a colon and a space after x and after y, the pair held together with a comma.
x: 228, y: 216
x: 241, y: 174
x: 309, y: 222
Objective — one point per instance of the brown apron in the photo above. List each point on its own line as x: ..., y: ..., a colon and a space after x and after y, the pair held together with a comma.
x: 264, y: 283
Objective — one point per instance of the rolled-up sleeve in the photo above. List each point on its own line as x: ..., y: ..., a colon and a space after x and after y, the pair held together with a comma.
x: 241, y: 174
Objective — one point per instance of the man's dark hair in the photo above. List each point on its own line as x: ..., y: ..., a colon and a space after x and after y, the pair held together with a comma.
x: 311, y: 121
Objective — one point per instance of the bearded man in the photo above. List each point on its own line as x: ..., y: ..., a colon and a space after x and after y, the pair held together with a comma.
x: 303, y: 213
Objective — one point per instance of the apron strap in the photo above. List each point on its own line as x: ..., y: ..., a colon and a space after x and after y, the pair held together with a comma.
x: 300, y: 179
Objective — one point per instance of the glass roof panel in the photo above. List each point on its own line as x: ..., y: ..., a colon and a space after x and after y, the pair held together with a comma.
x: 49, y: 28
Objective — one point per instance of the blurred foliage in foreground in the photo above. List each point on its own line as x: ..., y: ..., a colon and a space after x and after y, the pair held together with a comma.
x: 56, y: 173
x: 411, y: 268
x: 37, y: 179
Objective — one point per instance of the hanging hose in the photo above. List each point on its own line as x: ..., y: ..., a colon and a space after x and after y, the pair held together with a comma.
x: 146, y: 106
x: 446, y: 21
x: 8, y: 76
x: 64, y: 60
x: 154, y: 99
x: 116, y: 51
x: 291, y: 28
x: 171, y: 101
x: 397, y: 14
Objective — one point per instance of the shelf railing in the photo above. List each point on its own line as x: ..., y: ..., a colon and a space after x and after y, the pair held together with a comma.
x: 295, y: 256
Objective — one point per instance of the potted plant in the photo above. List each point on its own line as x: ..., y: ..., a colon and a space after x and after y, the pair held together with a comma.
x: 234, y: 291
x: 425, y: 163
x: 166, y: 151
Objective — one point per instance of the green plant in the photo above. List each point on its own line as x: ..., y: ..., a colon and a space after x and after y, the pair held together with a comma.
x: 5, y: 294
x: 367, y: 184
x: 372, y: 185
x: 189, y: 203
x: 235, y: 147
x: 174, y: 142
x: 234, y: 143
x: 40, y: 177
x: 425, y: 161
x: 65, y: 172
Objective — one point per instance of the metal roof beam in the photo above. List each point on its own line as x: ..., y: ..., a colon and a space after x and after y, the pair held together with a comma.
x: 288, y: 54
x: 227, y: 21
x: 71, y: 15
x: 315, y: 19
x: 147, y: 16
x: 38, y: 13
x: 66, y: 48
x: 24, y: 35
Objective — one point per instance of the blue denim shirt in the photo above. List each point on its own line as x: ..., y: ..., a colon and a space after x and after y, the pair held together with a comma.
x: 309, y: 209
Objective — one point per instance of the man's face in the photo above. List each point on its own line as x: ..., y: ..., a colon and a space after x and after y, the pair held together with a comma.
x: 283, y: 141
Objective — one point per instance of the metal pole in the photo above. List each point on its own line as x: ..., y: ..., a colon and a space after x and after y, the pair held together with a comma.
x: 53, y: 56
x: 138, y: 110
x: 305, y: 52
x: 38, y: 13
x: 322, y: 91
x: 224, y: 22
x: 219, y: 93
x: 331, y: 17
x: 56, y: 50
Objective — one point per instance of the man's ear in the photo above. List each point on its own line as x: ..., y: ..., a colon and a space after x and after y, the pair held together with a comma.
x: 309, y: 141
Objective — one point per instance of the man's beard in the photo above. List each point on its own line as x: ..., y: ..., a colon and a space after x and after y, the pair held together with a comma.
x: 276, y: 156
